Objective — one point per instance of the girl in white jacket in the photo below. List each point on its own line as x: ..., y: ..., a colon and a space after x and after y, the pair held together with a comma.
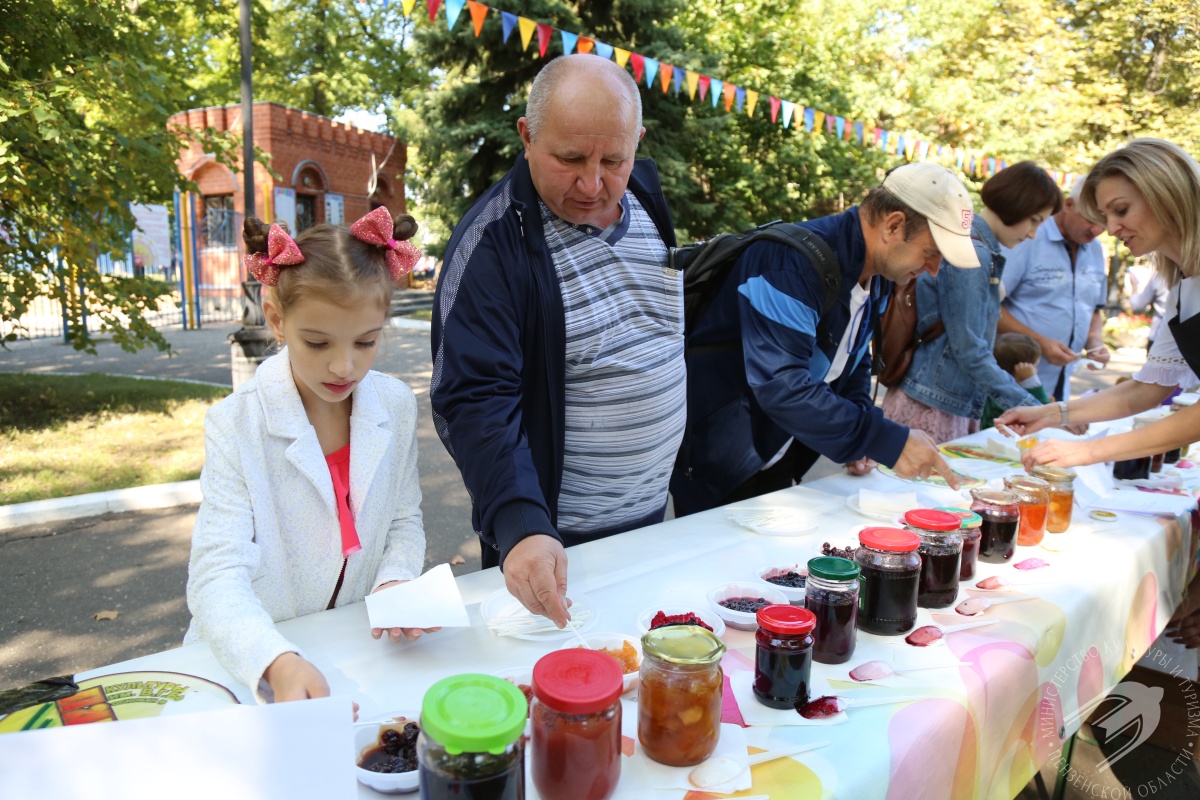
x: 311, y: 498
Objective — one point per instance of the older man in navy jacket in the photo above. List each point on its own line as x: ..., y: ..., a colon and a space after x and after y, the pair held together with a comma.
x: 798, y: 387
x: 558, y: 383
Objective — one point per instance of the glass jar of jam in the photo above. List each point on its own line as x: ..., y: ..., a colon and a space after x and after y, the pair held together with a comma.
x: 1062, y: 496
x: 470, y: 746
x: 890, y: 574
x: 1000, y: 515
x: 575, y: 725
x: 831, y: 594
x: 941, y: 555
x: 1178, y: 402
x: 1132, y: 469
x: 968, y: 528
x: 1033, y: 497
x: 783, y: 655
x: 679, y: 702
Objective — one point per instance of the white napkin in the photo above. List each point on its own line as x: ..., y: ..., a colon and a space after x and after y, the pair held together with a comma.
x: 756, y: 714
x: 1003, y: 447
x: 649, y: 773
x: 888, y: 503
x: 430, y: 601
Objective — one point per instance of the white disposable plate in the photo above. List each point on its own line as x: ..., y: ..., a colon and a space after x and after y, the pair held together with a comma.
x: 852, y: 504
x: 500, y: 604
x: 700, y: 610
x: 613, y: 641
x: 773, y: 521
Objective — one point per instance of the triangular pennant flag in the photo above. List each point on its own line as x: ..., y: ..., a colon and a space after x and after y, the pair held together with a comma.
x: 991, y: 168
x: 509, y: 21
x: 971, y: 166
x: 788, y: 108
x: 527, y: 27
x: 704, y: 82
x: 939, y: 150
x: 665, y: 72
x: 651, y: 72
x: 829, y: 123
x: 839, y: 123
x: 693, y: 80
x: 479, y: 13
x: 909, y: 148
x: 775, y: 102
x: 408, y: 6
x: 621, y: 56
x: 434, y: 5
x: 858, y: 131
x: 818, y: 120
x: 922, y: 150
x: 603, y: 50
x: 808, y: 119
x: 740, y: 97
x: 639, y: 65
x: 899, y: 145
x: 545, y: 32
x: 959, y: 155
x: 1003, y: 165
x: 730, y: 92
x: 751, y: 102
x: 883, y: 142
x: 585, y: 44
x: 569, y: 41
x: 453, y: 9
x: 678, y: 77
x: 878, y: 138
x: 714, y: 91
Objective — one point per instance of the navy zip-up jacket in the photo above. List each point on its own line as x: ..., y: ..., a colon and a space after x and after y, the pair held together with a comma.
x: 745, y: 401
x: 499, y: 369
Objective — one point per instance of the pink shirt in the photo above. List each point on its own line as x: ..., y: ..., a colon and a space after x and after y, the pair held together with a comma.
x: 339, y: 470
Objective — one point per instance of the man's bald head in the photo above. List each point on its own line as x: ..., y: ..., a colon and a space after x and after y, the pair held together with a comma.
x: 583, y: 78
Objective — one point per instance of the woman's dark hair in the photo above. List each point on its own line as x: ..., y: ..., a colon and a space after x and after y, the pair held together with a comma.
x: 337, y: 266
x: 1018, y: 192
x: 1016, y: 348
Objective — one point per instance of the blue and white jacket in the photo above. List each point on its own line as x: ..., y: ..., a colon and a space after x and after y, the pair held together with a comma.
x: 745, y: 403
x: 499, y: 358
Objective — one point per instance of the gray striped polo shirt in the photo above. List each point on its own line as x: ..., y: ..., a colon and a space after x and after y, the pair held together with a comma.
x: 625, y: 375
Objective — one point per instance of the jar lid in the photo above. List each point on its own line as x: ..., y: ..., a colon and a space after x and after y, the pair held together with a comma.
x: 930, y: 519
x: 891, y: 540
x: 832, y: 568
x: 1026, y: 483
x: 967, y: 518
x: 787, y: 619
x: 995, y: 497
x: 683, y: 644
x: 1054, y: 474
x: 474, y: 713
x: 577, y: 681
x: 1185, y: 399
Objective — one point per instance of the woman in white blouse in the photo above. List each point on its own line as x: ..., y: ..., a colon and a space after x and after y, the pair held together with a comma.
x: 1148, y: 195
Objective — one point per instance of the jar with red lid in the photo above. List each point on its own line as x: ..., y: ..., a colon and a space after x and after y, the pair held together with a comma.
x: 889, y: 579
x: 783, y: 655
x: 998, y: 533
x: 968, y: 527
x: 575, y: 725
x: 1033, y: 496
x: 941, y: 555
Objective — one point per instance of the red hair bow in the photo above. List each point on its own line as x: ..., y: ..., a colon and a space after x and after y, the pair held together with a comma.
x: 281, y: 252
x: 376, y: 228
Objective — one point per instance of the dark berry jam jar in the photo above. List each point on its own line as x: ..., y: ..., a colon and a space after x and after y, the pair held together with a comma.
x: 1001, y: 517
x: 575, y: 725
x: 941, y: 555
x: 471, y: 745
x: 887, y: 584
x: 831, y: 594
x: 968, y: 528
x: 783, y: 655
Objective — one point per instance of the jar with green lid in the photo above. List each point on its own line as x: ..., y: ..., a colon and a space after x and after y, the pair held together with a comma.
x: 470, y: 746
x: 831, y: 594
x: 969, y: 529
x: 1062, y: 496
x: 679, y: 699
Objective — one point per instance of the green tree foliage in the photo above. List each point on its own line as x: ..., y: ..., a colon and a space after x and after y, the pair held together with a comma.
x: 85, y: 92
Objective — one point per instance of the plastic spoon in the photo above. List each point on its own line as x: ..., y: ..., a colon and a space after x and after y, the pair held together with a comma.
x: 928, y: 635
x: 974, y: 606
x: 720, y: 769
x: 832, y: 705
x: 874, y: 670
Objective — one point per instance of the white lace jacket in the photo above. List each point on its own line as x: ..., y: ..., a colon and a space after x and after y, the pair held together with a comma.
x: 1165, y: 366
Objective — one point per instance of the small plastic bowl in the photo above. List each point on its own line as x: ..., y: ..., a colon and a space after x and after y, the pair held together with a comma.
x: 742, y: 620
x: 713, y: 621
x: 367, y: 737
x: 794, y: 595
x: 612, y: 641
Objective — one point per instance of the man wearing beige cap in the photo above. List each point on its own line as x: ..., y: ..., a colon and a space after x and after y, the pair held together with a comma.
x: 774, y: 381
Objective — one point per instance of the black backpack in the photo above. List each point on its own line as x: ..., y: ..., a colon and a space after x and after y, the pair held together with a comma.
x: 706, y: 264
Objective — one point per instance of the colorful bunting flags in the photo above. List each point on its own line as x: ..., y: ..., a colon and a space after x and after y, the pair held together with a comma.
x: 714, y: 90
x: 775, y: 101
x: 666, y: 71
x: 840, y: 126
x: 678, y: 77
x: 809, y: 119
x: 569, y: 40
x: 604, y: 50
x: 585, y: 44
x: 740, y: 95
x: 509, y: 21
x: 434, y: 5
x: 639, y: 64
x: 621, y: 57
x: 730, y: 91
x: 527, y: 27
x: 408, y: 6
x: 651, y: 72
x: 751, y: 102
x: 544, y: 32
x: 693, y: 80
x: 479, y: 13
x: 788, y: 108
x: 453, y: 9
x: 704, y: 83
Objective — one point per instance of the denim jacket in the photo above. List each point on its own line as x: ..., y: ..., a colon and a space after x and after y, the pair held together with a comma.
x: 957, y: 372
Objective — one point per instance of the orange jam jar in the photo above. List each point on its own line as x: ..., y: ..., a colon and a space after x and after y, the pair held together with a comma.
x: 679, y: 702
x: 1062, y: 496
x: 1033, y: 498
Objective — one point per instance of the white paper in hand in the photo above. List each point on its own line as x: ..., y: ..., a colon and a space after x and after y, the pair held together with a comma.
x: 430, y: 601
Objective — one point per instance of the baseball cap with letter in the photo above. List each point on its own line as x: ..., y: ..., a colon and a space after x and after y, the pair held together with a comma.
x: 935, y: 193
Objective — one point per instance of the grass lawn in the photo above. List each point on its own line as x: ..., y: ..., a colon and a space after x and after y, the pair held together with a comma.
x: 424, y: 313
x: 67, y: 435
